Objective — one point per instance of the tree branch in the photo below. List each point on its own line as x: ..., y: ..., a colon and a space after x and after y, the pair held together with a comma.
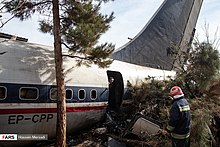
x: 2, y: 6
x: 3, y: 23
x: 65, y: 45
x: 71, y: 56
x: 68, y: 46
x: 17, y: 7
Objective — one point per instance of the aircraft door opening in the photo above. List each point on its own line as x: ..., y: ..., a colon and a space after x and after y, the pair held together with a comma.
x: 116, y: 90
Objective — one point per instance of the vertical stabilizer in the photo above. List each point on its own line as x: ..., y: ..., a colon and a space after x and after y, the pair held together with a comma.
x: 174, y: 22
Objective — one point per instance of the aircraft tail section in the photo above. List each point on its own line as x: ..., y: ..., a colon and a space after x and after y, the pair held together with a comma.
x: 174, y: 22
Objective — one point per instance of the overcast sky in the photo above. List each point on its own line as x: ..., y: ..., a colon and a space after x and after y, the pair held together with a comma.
x: 131, y: 17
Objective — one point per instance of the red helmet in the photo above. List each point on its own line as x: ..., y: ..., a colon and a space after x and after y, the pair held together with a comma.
x: 176, y: 92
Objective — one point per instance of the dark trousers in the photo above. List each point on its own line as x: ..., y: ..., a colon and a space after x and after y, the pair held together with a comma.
x: 180, y: 142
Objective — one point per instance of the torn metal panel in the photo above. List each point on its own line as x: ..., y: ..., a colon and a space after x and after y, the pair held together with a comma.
x: 143, y: 126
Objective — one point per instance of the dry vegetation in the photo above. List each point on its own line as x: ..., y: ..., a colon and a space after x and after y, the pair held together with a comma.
x: 151, y: 98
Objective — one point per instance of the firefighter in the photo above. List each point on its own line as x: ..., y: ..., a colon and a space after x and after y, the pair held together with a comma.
x: 179, y: 119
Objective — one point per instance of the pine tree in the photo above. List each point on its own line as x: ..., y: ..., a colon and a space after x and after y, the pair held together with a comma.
x: 200, y: 66
x: 204, y: 64
x: 78, y: 26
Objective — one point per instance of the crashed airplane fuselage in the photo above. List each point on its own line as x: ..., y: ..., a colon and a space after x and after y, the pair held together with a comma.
x: 28, y: 86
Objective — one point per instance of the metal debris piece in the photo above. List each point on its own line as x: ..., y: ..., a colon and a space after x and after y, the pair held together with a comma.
x: 114, y: 143
x: 100, y: 131
x: 142, y: 126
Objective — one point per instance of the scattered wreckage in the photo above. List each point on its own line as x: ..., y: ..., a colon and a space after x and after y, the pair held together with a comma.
x: 121, y: 130
x: 117, y: 130
x: 139, y: 125
x: 132, y: 131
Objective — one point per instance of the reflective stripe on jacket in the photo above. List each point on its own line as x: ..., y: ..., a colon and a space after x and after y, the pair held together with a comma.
x: 179, y: 121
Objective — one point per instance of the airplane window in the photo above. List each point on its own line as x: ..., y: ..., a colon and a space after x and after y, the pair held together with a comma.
x: 53, y: 93
x: 93, y: 94
x: 82, y: 94
x: 69, y: 94
x: 28, y: 93
x: 3, y: 92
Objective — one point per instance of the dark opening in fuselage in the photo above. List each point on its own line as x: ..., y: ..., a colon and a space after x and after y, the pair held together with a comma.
x: 116, y: 90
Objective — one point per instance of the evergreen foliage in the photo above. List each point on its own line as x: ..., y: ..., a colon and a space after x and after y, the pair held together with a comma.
x: 204, y: 64
x: 197, y: 67
x: 81, y: 26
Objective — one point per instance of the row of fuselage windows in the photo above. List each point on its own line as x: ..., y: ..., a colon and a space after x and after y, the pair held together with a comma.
x: 32, y: 93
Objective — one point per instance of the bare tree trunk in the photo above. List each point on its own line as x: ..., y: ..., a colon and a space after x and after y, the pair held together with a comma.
x: 61, y: 102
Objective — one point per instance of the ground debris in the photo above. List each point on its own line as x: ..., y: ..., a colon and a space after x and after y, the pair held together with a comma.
x: 135, y: 130
x: 130, y: 142
x: 89, y: 143
x: 111, y: 133
x: 115, y: 143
